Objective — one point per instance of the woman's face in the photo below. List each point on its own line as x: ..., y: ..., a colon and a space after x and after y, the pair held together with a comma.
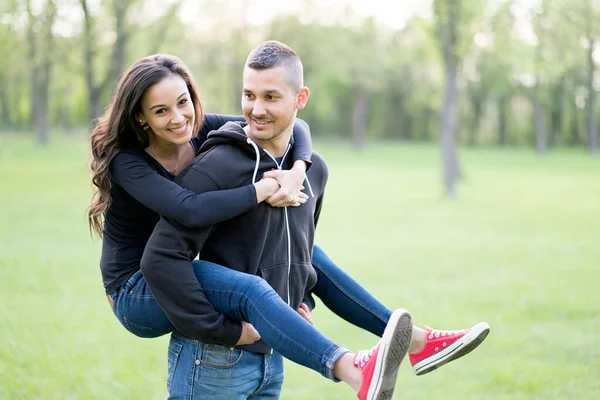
x: 168, y: 109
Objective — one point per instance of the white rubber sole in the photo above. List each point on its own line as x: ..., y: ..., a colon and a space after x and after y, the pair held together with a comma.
x: 461, y: 347
x: 392, y: 350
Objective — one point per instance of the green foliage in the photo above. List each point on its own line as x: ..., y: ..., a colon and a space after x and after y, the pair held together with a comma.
x: 502, y: 45
x: 519, y: 250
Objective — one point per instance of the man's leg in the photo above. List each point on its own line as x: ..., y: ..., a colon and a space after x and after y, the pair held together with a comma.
x: 270, y: 389
x: 199, y: 371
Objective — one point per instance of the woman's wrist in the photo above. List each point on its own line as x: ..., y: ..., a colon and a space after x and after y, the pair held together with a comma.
x: 299, y: 167
x: 265, y: 188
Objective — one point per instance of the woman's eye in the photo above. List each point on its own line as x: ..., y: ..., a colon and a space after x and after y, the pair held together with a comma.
x: 183, y: 101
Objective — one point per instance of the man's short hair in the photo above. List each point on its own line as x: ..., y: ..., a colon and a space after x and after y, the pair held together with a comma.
x: 273, y: 54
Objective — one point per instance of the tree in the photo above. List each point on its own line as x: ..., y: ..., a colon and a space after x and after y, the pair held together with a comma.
x: 41, y: 44
x: 591, y: 35
x: 96, y: 87
x: 448, y: 19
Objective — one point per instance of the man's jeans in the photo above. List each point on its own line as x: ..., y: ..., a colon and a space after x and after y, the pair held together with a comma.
x: 215, y: 372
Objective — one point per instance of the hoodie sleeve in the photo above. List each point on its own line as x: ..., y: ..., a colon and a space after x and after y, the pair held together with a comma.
x: 213, y: 122
x: 302, y: 147
x: 167, y: 268
x: 165, y: 197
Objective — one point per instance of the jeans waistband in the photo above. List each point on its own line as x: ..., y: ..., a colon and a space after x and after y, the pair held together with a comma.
x: 131, y: 282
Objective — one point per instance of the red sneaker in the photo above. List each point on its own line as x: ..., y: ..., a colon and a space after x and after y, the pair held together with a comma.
x: 442, y: 347
x: 379, y: 366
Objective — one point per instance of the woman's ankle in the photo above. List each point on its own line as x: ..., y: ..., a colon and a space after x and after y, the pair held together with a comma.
x: 417, y: 342
x: 344, y: 370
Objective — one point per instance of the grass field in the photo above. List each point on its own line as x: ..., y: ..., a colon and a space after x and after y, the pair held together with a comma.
x: 520, y: 248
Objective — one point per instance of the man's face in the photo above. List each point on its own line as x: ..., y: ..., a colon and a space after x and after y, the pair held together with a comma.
x: 269, y: 104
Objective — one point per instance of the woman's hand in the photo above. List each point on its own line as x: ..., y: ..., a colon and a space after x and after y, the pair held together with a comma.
x: 265, y: 188
x: 290, y: 182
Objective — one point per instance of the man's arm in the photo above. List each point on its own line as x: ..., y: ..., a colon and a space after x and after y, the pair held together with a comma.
x: 167, y: 268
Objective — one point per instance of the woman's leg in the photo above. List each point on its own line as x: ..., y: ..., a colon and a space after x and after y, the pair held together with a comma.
x: 346, y: 297
x: 138, y: 311
x: 245, y: 297
x: 430, y: 349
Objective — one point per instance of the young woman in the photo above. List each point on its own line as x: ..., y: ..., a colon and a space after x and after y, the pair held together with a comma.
x: 138, y: 151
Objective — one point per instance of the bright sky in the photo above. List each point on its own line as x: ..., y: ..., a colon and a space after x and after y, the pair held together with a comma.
x: 393, y: 13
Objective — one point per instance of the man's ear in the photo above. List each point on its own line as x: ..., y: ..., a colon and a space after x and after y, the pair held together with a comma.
x: 302, y: 97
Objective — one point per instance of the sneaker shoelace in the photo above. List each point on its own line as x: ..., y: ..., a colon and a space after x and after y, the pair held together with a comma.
x: 437, y: 333
x: 363, y: 356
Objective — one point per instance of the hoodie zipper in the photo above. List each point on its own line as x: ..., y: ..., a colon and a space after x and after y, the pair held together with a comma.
x: 287, y: 226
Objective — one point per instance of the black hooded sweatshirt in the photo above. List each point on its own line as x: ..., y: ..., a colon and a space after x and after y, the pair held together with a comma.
x: 274, y: 243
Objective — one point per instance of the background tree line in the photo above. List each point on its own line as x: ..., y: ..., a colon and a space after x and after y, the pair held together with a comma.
x: 471, y: 71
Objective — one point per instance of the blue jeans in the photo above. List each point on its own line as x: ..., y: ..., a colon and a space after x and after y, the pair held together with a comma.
x: 240, y: 297
x: 346, y: 297
x: 215, y: 372
x: 138, y: 311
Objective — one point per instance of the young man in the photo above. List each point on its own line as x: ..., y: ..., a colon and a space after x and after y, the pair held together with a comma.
x: 218, y: 358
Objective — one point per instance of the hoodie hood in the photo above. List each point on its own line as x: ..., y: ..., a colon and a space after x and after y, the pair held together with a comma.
x: 233, y: 133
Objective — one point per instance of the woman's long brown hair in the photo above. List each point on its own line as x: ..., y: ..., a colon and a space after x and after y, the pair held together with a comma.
x: 117, y: 127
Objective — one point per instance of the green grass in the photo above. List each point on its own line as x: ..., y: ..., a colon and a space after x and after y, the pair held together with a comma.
x: 518, y: 248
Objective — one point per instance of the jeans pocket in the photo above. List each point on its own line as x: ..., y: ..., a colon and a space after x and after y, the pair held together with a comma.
x: 221, y: 357
x: 140, y: 330
x: 173, y: 356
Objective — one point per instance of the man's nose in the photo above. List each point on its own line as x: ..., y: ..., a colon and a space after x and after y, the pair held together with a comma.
x: 259, y: 108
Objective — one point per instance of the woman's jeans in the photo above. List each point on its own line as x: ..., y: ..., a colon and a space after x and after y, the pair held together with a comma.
x: 245, y: 297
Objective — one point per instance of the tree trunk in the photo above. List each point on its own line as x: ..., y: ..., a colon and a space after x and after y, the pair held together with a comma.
x: 96, y: 90
x: 557, y: 112
x: 359, y: 117
x: 448, y: 19
x: 574, y: 139
x: 592, y: 134
x: 502, y: 121
x: 448, y: 129
x: 121, y: 7
x: 5, y: 111
x: 44, y: 75
x: 477, y: 97
x: 41, y: 67
x: 33, y: 77
x: 540, y: 123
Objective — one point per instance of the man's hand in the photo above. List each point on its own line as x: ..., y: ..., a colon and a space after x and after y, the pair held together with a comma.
x: 249, y: 334
x: 289, y: 193
x: 304, y: 312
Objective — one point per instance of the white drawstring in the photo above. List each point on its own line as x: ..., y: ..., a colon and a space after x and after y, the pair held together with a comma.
x: 309, y: 187
x: 257, y: 158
